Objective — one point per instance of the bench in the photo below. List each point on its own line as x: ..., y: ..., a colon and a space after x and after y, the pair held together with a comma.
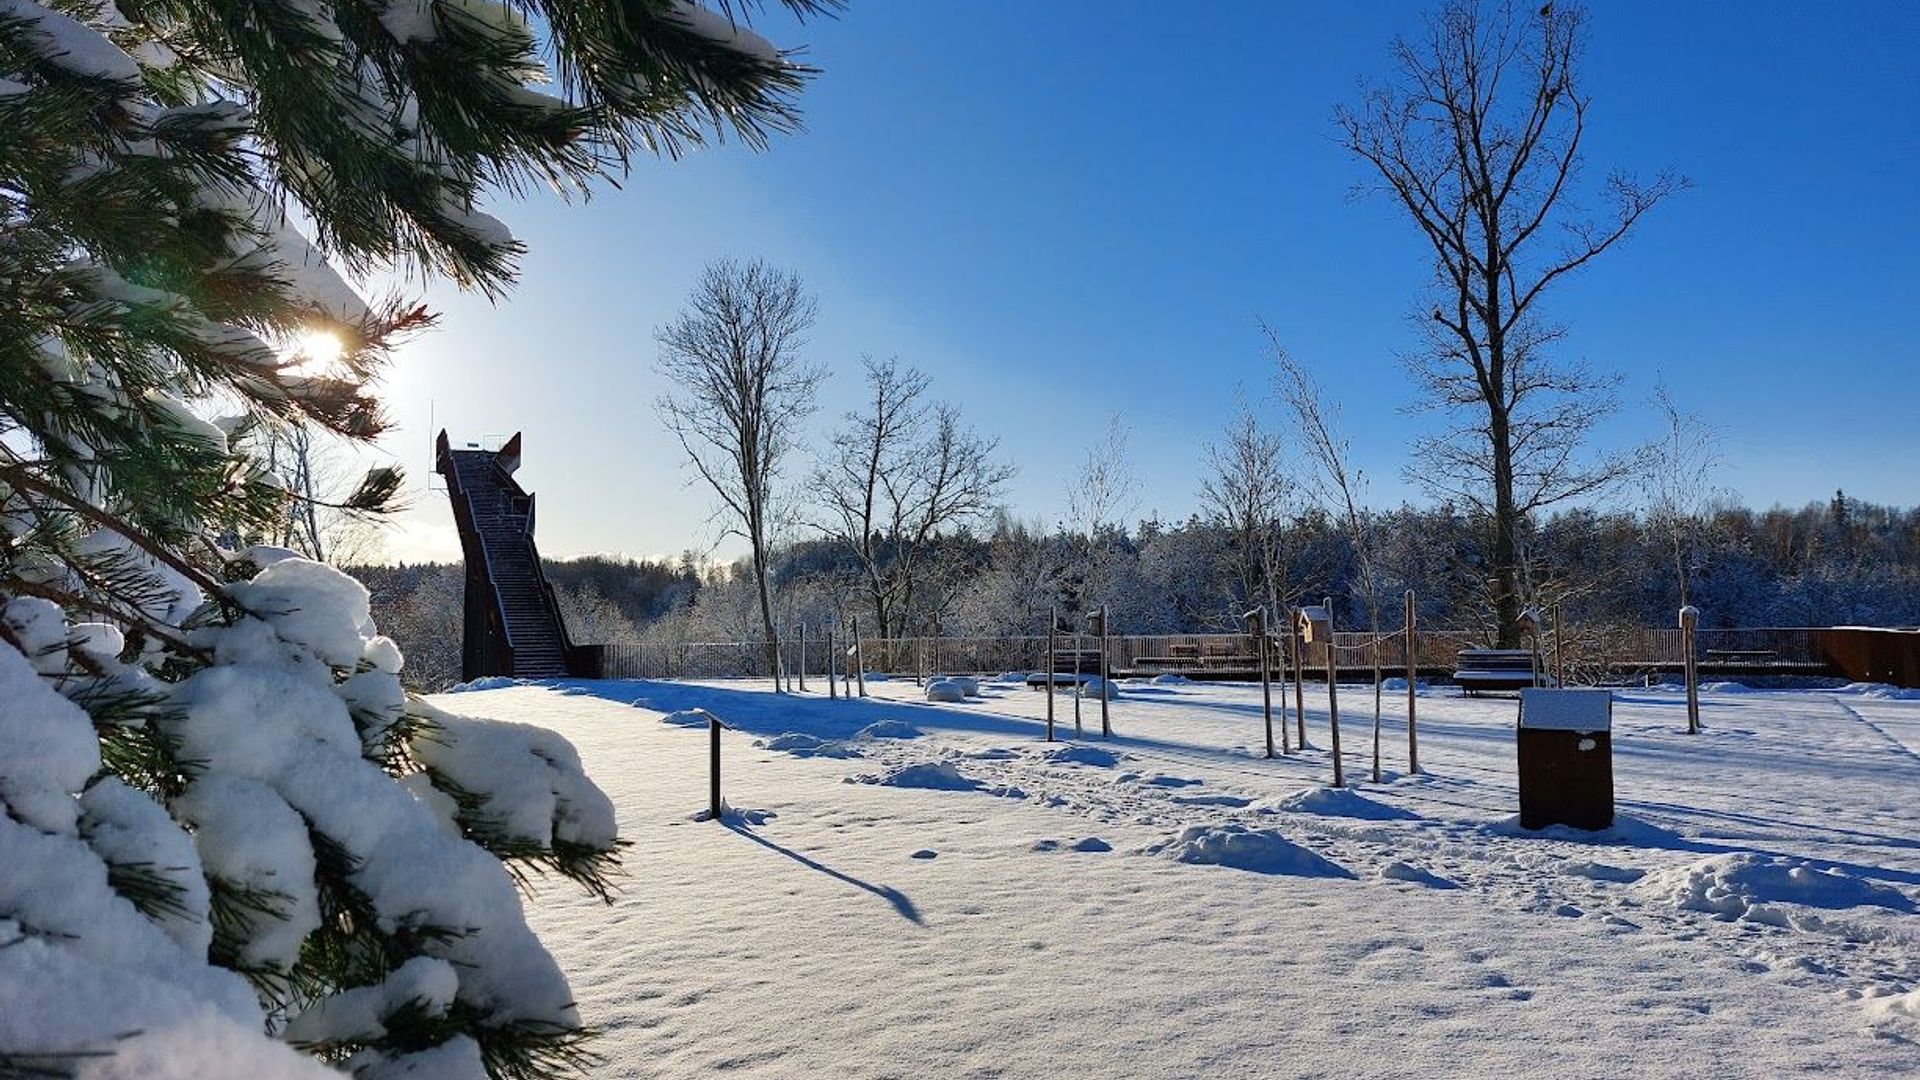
x: 1066, y: 662
x: 1478, y: 670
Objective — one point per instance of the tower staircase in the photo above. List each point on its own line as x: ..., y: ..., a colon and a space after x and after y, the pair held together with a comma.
x: 513, y: 624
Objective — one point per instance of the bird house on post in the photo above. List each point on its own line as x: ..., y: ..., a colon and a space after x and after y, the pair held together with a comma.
x: 1316, y: 624
x: 1529, y: 624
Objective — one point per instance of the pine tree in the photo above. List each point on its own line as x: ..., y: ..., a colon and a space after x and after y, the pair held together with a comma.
x: 214, y: 791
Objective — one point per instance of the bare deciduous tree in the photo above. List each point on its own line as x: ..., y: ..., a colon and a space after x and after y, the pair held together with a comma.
x: 900, y: 473
x: 1246, y: 494
x: 1105, y: 489
x: 1680, y: 467
x: 1479, y: 141
x: 740, y: 393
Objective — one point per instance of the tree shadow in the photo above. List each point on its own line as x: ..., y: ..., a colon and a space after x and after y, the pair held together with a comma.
x: 901, y: 904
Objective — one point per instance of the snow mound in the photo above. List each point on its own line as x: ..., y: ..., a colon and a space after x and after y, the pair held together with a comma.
x: 688, y: 718
x: 487, y: 682
x: 946, y: 690
x: 1096, y: 687
x: 1091, y: 845
x: 1748, y: 886
x: 1342, y: 802
x: 1400, y: 871
x: 801, y: 744
x: 1261, y: 851
x: 968, y: 685
x: 888, y: 729
x: 1600, y: 871
x: 1017, y: 677
x: 1880, y: 690
x: 1894, y: 1006
x: 1082, y: 755
x: 1171, y: 680
x: 931, y: 775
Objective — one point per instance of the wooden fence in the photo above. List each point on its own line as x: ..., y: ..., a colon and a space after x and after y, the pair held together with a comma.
x: 1589, y: 654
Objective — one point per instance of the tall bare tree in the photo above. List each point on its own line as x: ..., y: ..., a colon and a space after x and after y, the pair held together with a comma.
x: 1478, y: 139
x: 740, y: 393
x: 1246, y: 493
x: 1680, y: 467
x: 900, y: 473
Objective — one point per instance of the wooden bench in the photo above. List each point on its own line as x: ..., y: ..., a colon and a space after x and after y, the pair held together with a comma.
x: 1065, y: 663
x: 1478, y: 670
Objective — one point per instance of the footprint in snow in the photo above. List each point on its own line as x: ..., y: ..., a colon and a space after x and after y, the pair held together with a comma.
x: 924, y: 853
x: 1172, y: 781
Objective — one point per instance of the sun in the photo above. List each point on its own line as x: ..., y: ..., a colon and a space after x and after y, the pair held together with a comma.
x: 315, y: 352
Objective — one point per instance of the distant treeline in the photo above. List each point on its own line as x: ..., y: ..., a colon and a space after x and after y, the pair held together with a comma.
x: 1838, y: 562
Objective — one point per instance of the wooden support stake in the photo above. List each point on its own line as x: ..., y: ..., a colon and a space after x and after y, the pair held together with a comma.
x: 1257, y: 623
x: 1333, y: 700
x: 1689, y: 623
x: 1079, y: 678
x: 1106, y: 727
x: 803, y: 658
x: 1299, y: 681
x: 713, y: 767
x: 1053, y: 634
x: 859, y: 658
x: 833, y: 662
x: 1413, y: 669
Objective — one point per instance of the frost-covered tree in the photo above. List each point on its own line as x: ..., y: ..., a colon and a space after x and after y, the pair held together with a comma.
x: 225, y: 827
x: 740, y: 392
x: 1245, y: 493
x: 898, y: 474
x: 1479, y: 140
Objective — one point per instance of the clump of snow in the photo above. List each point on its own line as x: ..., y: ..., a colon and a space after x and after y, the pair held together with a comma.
x: 41, y: 629
x: 1402, y: 871
x: 1013, y: 677
x: 1262, y: 851
x: 1600, y: 871
x: 361, y: 1014
x: 249, y: 837
x: 48, y: 748
x: 686, y: 718
x: 129, y: 830
x: 1171, y: 680
x: 1095, y: 687
x: 309, y: 604
x: 801, y: 744
x: 1091, y: 845
x: 1341, y: 802
x: 932, y: 775
x: 969, y: 685
x: 529, y: 780
x: 1881, y: 691
x: 485, y: 682
x: 945, y: 690
x: 1081, y: 754
x: 888, y: 729
x: 456, y: 1059
x: 1749, y: 886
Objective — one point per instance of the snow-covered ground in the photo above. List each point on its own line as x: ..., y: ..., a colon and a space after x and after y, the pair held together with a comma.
x: 970, y: 901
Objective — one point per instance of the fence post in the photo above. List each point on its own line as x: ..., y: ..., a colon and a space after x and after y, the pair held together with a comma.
x: 713, y: 767
x: 833, y: 661
x: 1689, y: 623
x: 803, y: 657
x: 1053, y: 628
x: 1413, y: 668
x: 1559, y: 650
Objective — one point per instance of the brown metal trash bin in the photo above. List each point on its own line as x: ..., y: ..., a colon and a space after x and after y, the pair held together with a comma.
x: 1565, y: 743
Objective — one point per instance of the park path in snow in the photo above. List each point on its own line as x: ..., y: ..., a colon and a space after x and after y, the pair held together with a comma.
x: 973, y: 901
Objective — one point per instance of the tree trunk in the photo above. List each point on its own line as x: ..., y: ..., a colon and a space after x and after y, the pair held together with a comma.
x: 1506, y: 528
x: 766, y: 608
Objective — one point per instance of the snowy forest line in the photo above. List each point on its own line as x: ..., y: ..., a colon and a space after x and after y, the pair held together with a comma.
x: 1838, y: 562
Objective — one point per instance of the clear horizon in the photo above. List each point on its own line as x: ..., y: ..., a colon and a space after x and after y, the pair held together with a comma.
x: 1089, y: 218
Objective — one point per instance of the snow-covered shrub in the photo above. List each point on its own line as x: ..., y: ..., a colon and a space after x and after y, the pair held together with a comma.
x: 283, y: 843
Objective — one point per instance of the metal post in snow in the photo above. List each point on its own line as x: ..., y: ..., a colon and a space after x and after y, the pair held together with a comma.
x: 1413, y: 668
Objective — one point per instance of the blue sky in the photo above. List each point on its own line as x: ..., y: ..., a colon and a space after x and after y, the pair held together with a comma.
x: 1064, y: 211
